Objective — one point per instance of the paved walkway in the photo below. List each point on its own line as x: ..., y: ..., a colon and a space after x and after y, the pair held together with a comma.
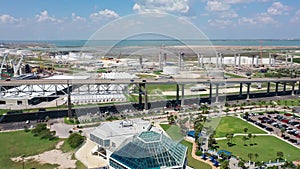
x: 198, y: 157
x: 224, y: 138
x: 85, y: 156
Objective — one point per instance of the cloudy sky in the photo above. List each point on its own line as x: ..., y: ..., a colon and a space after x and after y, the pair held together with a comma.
x: 218, y: 19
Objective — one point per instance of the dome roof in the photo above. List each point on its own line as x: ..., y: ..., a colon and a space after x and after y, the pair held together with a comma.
x: 150, y: 150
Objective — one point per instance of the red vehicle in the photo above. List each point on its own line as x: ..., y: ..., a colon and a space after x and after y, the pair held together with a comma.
x: 285, y: 120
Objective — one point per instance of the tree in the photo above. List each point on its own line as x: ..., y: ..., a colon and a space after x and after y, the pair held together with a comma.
x: 244, y: 139
x: 245, y: 129
x: 282, y: 130
x: 279, y: 154
x: 256, y: 156
x: 75, y: 140
x: 250, y: 136
x: 224, y: 164
x: 250, y: 155
x: 254, y: 136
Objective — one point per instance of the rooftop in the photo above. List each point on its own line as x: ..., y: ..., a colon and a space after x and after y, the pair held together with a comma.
x: 150, y: 149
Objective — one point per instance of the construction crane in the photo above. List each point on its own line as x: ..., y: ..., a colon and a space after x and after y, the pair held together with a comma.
x: 17, y: 66
x: 2, y: 64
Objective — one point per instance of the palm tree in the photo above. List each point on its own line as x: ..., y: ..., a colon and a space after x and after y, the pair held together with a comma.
x: 254, y: 136
x: 249, y: 136
x: 279, y: 154
x: 256, y: 156
x: 250, y: 155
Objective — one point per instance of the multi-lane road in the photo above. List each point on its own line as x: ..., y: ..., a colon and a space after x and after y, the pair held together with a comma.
x: 148, y: 81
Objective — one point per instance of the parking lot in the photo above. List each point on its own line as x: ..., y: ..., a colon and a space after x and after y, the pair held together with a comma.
x: 285, y: 125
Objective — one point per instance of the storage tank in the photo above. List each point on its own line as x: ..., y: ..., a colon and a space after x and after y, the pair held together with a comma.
x: 171, y: 70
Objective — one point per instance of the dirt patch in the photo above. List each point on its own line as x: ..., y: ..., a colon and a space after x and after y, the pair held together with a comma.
x: 64, y: 160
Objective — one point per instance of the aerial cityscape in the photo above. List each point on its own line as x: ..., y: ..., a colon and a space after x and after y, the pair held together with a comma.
x: 150, y: 84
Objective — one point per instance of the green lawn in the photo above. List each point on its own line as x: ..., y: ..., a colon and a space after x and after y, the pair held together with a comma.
x: 191, y: 161
x: 266, y: 148
x: 14, y: 144
x: 174, y: 132
x: 235, y: 125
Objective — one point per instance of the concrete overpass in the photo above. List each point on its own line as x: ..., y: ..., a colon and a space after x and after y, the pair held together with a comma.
x: 142, y: 84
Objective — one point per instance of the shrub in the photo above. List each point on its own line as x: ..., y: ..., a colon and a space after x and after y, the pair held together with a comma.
x: 75, y: 140
x: 198, y: 153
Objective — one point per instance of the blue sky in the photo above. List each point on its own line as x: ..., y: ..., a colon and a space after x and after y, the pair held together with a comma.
x: 218, y: 19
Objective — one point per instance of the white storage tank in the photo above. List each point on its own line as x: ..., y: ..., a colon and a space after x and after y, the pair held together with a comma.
x: 171, y: 70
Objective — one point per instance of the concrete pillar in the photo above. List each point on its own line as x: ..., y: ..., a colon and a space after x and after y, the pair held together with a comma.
x: 222, y: 60
x: 165, y: 59
x: 292, y: 60
x: 140, y: 96
x: 198, y: 60
x: 274, y: 60
x: 217, y: 93
x: 181, y: 63
x: 70, y: 114
x: 270, y: 57
x: 268, y: 88
x: 146, y: 97
x: 217, y: 61
x: 299, y: 88
x: 235, y: 60
x: 241, y: 89
x: 210, y: 92
x: 202, y: 62
x: 248, y: 91
x: 177, y: 93
x: 284, y: 87
x: 276, y: 88
x: 141, y: 62
x: 182, y: 94
x: 293, y: 88
x: 257, y: 61
x: 240, y: 60
x: 252, y: 61
x: 160, y: 61
x: 286, y: 59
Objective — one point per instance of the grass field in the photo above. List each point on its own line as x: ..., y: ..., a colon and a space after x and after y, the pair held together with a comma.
x: 15, y: 144
x: 235, y: 125
x: 266, y: 148
x: 174, y: 132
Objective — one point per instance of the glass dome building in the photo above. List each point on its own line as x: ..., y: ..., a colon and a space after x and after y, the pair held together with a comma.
x: 149, y: 150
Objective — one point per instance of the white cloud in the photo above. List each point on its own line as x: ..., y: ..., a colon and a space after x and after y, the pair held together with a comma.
x: 44, y: 17
x: 217, y: 6
x: 245, y: 20
x: 77, y: 18
x: 277, y: 8
x: 228, y: 14
x: 173, y: 6
x: 265, y: 19
x: 104, y: 14
x: 7, y: 19
x: 262, y: 18
x: 220, y: 23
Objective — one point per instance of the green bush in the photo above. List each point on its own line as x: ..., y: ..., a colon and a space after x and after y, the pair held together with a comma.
x: 198, y: 153
x: 75, y: 140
